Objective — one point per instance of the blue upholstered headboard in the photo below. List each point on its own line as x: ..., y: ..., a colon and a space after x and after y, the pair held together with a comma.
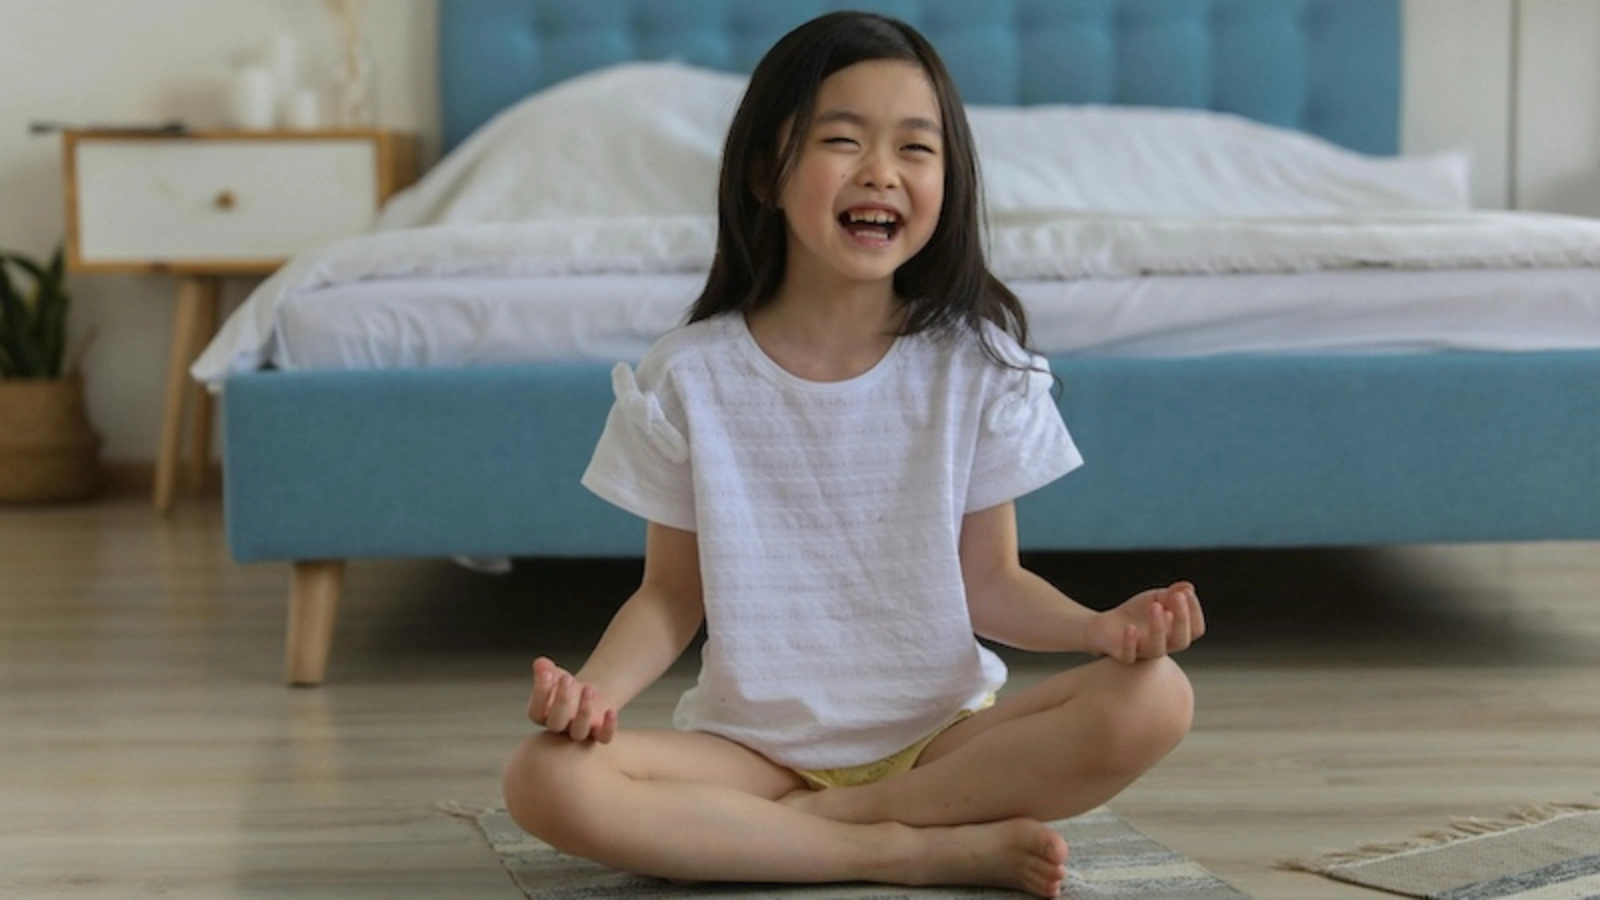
x: 1328, y: 67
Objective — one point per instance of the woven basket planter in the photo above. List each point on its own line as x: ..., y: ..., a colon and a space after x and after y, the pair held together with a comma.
x: 48, y: 452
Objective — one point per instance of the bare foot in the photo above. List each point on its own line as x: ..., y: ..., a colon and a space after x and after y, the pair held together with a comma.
x: 1019, y: 854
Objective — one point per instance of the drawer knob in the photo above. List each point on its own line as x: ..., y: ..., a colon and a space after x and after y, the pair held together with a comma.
x: 225, y: 200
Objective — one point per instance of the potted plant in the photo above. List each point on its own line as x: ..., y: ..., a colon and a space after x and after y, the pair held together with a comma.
x: 48, y: 452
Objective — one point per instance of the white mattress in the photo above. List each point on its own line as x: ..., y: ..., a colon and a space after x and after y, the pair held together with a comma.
x: 468, y: 321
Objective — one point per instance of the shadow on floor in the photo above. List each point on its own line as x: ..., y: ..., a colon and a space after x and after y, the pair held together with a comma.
x: 1264, y: 608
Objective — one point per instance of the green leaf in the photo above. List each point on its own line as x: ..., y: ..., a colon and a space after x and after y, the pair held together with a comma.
x: 14, y: 327
x: 29, y: 266
x: 53, y: 336
x: 33, y: 327
x: 58, y: 278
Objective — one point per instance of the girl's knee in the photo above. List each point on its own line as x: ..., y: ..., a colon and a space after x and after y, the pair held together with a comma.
x: 538, y: 784
x: 1148, y: 710
x: 1170, y: 695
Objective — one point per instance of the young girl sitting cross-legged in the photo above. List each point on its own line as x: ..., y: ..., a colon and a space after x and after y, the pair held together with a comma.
x: 827, y: 456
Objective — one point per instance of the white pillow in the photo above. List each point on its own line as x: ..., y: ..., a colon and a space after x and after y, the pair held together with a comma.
x: 1047, y: 160
x: 635, y: 139
x: 645, y: 139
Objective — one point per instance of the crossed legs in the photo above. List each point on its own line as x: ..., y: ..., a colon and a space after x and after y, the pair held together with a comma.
x: 1057, y: 749
x: 694, y: 806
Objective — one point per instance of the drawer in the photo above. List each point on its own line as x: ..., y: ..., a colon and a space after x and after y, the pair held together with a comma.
x: 234, y: 202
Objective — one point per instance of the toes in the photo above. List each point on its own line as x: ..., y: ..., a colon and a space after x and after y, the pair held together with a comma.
x: 1051, y: 847
x: 1049, y: 868
x: 1045, y: 882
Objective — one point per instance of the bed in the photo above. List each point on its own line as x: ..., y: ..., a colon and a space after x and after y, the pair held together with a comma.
x: 1295, y: 445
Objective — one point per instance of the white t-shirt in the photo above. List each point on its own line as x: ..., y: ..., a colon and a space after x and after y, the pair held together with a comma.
x: 828, y: 517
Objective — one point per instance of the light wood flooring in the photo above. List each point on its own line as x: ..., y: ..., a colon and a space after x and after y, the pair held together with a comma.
x: 149, y: 749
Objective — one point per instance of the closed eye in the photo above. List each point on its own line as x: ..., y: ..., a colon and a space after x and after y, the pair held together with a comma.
x: 839, y: 140
x: 920, y: 148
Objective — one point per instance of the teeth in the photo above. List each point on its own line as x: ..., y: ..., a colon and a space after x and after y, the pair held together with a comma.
x: 874, y: 216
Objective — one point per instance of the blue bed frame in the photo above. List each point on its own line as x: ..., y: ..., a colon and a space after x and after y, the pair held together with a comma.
x: 1235, y: 451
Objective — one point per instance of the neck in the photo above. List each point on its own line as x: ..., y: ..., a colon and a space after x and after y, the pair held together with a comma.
x: 838, y: 315
x: 828, y: 335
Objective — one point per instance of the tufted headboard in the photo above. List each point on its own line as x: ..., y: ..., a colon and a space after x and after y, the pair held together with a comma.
x: 1328, y: 67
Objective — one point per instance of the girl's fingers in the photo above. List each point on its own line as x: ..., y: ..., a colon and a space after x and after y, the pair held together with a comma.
x: 1197, y: 617
x: 1160, y: 627
x: 552, y: 695
x: 581, y: 720
x: 563, y: 705
x: 1171, y: 621
x: 552, y: 704
x: 539, y: 703
x: 1182, y: 632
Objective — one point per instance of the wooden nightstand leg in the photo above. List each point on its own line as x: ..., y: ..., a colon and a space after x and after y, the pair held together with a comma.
x: 184, y: 322
x: 203, y: 405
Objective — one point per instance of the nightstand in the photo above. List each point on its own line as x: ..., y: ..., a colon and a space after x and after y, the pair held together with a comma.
x: 205, y: 205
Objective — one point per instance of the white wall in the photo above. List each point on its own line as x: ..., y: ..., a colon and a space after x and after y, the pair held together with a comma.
x: 94, y: 61
x: 88, y: 61
x: 1557, y: 156
x: 1456, y: 86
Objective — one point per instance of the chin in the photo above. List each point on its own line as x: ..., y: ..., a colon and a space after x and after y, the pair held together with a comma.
x: 853, y: 267
x: 865, y: 276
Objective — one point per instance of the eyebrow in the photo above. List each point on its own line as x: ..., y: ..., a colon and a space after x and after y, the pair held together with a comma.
x: 843, y: 115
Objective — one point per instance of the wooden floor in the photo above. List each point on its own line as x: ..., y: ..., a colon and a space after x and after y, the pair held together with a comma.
x: 148, y: 748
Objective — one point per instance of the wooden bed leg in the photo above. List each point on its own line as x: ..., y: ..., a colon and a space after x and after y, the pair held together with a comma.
x: 313, y: 601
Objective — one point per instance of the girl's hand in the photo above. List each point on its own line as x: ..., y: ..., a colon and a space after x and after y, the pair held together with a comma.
x: 1149, y: 625
x: 565, y: 705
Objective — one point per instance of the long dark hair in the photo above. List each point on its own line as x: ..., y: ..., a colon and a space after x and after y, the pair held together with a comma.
x: 947, y: 285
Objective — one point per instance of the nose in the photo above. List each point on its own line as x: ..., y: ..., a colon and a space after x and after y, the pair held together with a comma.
x: 878, y: 171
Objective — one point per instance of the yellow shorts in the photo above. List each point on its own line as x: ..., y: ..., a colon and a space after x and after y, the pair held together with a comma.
x: 897, y: 763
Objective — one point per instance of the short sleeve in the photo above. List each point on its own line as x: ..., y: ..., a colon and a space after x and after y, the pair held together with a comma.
x: 641, y: 463
x: 1022, y: 442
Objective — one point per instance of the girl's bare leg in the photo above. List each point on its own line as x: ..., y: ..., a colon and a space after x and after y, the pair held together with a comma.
x: 1057, y: 749
x: 694, y: 806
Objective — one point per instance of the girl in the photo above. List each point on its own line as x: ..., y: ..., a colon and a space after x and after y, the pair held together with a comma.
x: 827, y: 456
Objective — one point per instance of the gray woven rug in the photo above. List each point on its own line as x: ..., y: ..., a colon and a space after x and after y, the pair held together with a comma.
x: 1108, y: 859
x: 1540, y: 853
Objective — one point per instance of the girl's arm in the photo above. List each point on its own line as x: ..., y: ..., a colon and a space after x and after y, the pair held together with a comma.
x: 1008, y: 603
x: 646, y: 635
x: 1017, y: 608
x: 655, y: 625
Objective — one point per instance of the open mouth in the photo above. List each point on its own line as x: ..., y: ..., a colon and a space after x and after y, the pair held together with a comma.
x: 875, y: 226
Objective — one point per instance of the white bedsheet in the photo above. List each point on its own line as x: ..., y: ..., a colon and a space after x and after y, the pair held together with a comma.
x: 605, y: 318
x: 1091, y: 248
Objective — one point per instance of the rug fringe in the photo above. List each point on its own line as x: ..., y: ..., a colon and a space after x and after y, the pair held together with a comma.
x: 1458, y: 830
x: 455, y: 808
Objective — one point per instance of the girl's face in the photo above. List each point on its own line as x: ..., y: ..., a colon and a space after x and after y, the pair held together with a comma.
x: 867, y: 186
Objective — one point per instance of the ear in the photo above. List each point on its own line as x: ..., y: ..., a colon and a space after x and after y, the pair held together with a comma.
x: 764, y: 196
x: 760, y: 184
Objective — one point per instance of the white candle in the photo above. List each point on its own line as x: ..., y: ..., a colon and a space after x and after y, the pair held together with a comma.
x: 283, y: 58
x: 252, y: 98
x: 301, y: 110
